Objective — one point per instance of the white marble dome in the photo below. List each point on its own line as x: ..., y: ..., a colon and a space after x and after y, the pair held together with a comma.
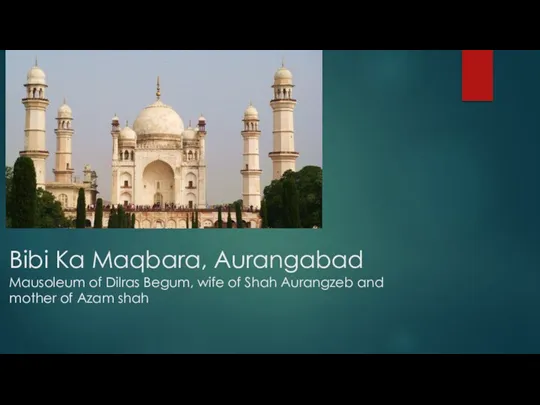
x: 190, y: 133
x: 64, y: 111
x: 36, y: 76
x: 251, y: 112
x: 127, y: 134
x: 158, y: 119
x: 283, y: 74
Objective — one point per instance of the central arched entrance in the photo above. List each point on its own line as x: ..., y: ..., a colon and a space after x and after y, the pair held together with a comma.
x: 158, y: 179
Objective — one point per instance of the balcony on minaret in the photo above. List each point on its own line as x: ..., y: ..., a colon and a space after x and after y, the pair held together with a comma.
x: 283, y: 94
x: 283, y: 154
x: 33, y: 152
x: 247, y: 170
x: 190, y: 186
x: 35, y: 93
x: 67, y: 170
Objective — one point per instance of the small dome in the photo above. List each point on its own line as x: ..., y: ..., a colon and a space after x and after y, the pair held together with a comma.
x: 251, y: 112
x: 283, y: 74
x: 36, y: 76
x: 127, y: 134
x: 64, y: 111
x: 115, y: 118
x: 189, y: 133
x: 201, y: 118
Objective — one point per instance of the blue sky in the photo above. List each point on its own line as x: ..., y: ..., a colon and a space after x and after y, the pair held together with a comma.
x: 218, y: 84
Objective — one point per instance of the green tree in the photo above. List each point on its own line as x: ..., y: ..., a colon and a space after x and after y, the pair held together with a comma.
x: 9, y: 182
x: 113, y: 219
x: 121, y: 216
x: 98, y: 220
x: 193, y: 224
x: 49, y: 211
x: 128, y: 220
x: 229, y: 219
x: 80, y: 221
x: 219, y: 218
x: 264, y: 214
x: 291, y: 204
x: 308, y: 183
x: 133, y: 220
x: 273, y: 197
x: 125, y: 220
x: 233, y: 204
x: 23, y: 195
x: 238, y: 209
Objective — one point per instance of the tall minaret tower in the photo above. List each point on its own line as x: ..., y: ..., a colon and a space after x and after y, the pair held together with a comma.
x: 201, y: 127
x: 63, y: 168
x: 284, y: 155
x: 251, y: 172
x: 115, y: 133
x: 36, y: 105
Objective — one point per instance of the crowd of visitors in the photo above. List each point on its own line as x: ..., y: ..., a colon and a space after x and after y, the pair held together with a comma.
x: 166, y: 208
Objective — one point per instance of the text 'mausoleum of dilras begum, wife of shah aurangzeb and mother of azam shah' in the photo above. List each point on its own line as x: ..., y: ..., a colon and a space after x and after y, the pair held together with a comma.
x: 158, y: 165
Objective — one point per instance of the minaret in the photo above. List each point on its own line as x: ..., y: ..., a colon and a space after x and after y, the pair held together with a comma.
x: 115, y: 132
x: 284, y: 155
x: 36, y: 105
x: 251, y: 172
x: 201, y: 126
x: 63, y: 168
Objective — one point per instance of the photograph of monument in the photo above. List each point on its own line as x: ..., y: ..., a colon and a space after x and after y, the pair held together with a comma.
x: 160, y: 167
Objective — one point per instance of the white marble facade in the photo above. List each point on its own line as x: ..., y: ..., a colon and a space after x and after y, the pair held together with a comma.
x: 158, y: 161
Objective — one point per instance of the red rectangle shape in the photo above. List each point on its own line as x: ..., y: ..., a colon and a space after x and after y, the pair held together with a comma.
x: 477, y: 75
